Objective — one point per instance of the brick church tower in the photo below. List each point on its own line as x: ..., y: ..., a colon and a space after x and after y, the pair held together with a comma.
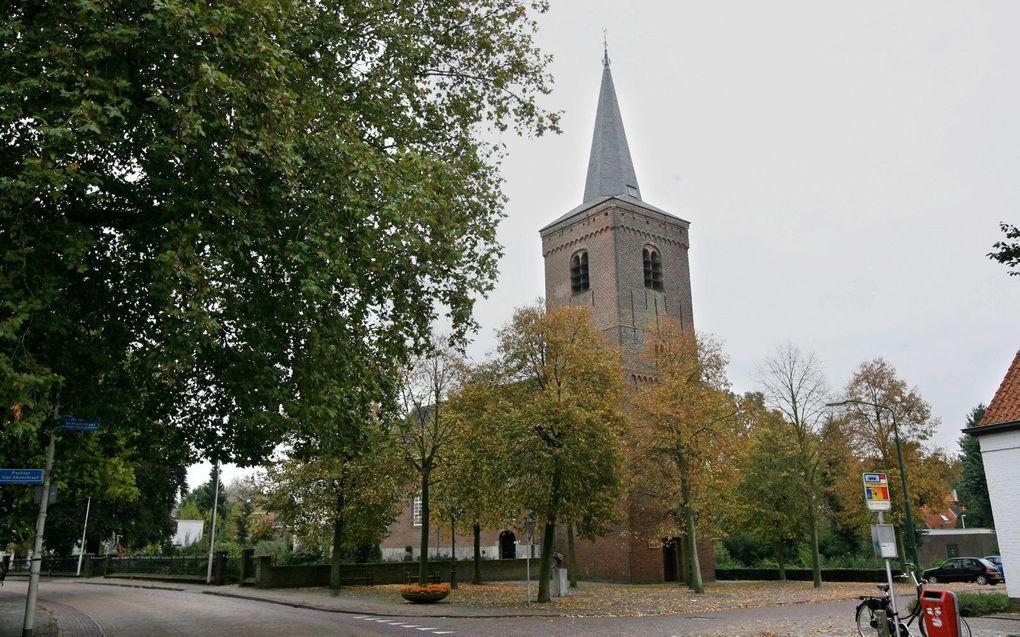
x: 626, y: 259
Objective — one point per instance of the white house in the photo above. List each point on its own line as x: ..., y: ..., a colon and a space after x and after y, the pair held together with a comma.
x: 999, y: 434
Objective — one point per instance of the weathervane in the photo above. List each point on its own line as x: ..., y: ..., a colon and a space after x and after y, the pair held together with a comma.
x: 605, y: 47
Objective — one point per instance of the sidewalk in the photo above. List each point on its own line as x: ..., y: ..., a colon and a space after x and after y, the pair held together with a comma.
x: 12, y: 617
x: 355, y: 600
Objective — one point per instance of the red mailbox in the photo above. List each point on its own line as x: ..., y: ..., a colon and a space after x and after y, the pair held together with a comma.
x: 939, y: 613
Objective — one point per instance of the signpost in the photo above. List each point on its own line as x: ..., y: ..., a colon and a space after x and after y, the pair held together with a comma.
x: 65, y: 423
x: 21, y: 476
x: 883, y: 536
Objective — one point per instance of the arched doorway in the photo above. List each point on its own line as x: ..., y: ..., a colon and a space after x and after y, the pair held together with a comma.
x: 507, y: 545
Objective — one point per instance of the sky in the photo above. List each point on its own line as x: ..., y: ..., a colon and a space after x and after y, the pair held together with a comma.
x: 844, y: 167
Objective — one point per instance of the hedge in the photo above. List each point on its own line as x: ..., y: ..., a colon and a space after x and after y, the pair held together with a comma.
x: 803, y: 574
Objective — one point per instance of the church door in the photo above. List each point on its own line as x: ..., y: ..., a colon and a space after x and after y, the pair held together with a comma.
x: 507, y: 545
x: 671, y: 561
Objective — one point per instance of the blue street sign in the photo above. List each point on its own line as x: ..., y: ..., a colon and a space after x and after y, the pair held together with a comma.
x: 21, y: 476
x: 70, y: 423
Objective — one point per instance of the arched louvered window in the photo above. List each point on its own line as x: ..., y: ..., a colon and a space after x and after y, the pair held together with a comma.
x: 579, y: 272
x: 653, y: 268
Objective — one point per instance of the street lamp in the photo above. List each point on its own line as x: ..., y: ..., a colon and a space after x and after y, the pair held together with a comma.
x: 903, y: 471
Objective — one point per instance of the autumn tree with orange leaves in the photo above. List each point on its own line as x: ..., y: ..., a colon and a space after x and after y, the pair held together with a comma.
x: 685, y: 432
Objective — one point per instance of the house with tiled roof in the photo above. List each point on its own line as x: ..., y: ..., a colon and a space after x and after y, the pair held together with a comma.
x: 999, y: 434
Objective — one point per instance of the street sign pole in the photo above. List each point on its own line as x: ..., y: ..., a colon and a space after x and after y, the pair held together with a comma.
x: 85, y: 526
x: 212, y: 535
x: 36, y: 557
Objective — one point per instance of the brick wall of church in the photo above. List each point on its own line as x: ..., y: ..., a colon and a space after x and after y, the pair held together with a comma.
x: 614, y: 233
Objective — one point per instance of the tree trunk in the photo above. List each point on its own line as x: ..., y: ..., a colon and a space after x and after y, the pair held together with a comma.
x: 816, y: 562
x: 781, y: 560
x: 571, y: 558
x: 697, y: 585
x: 334, y: 557
x: 476, y: 576
x: 685, y: 562
x: 545, y: 566
x: 423, y: 563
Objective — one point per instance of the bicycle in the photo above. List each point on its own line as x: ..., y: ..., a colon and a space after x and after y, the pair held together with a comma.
x: 868, y: 623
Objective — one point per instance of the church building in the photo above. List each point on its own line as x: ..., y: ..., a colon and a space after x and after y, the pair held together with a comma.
x: 627, y: 260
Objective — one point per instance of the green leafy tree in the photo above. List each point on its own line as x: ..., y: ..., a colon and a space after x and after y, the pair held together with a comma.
x: 476, y: 489
x: 341, y: 501
x: 562, y: 393
x: 1007, y: 252
x: 200, y: 202
x: 973, y: 486
x: 765, y: 499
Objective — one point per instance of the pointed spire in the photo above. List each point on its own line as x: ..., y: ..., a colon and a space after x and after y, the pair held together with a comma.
x: 610, y: 169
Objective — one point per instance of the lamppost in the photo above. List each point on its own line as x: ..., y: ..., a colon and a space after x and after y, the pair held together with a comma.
x: 529, y: 529
x: 963, y: 519
x: 911, y: 539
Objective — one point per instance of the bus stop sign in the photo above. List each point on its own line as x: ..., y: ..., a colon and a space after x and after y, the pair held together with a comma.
x: 876, y: 492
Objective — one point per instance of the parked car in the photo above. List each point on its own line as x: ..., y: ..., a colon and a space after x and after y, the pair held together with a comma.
x: 964, y: 569
x: 997, y: 560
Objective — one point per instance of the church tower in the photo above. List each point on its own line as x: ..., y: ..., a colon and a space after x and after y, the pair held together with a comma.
x: 625, y: 258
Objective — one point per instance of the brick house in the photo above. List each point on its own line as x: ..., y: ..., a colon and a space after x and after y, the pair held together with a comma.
x: 999, y: 435
x: 627, y: 260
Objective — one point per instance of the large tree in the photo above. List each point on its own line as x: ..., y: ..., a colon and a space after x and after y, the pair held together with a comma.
x: 795, y: 385
x: 340, y: 501
x: 765, y: 502
x: 564, y: 388
x: 885, y: 405
x: 477, y: 488
x: 425, y: 429
x: 973, y: 486
x: 200, y: 201
x: 685, y: 431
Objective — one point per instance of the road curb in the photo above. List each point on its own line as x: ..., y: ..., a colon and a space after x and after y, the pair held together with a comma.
x: 128, y: 585
x: 347, y: 611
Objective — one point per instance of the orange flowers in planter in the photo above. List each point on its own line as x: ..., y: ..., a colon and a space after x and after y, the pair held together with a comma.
x: 432, y: 589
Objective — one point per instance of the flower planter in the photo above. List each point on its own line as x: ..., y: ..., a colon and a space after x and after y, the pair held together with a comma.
x: 429, y: 594
x: 424, y: 597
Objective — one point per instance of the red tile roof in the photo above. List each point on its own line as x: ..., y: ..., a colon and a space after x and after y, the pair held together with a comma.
x: 1005, y: 406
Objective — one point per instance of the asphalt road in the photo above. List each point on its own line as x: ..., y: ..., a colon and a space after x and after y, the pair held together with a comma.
x: 84, y: 610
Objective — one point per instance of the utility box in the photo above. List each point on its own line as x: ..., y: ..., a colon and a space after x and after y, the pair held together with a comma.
x: 559, y: 582
x: 940, y: 614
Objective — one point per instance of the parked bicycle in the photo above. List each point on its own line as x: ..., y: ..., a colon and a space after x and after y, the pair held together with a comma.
x: 868, y: 622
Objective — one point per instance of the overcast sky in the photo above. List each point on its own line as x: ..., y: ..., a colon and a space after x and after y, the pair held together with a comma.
x: 844, y: 168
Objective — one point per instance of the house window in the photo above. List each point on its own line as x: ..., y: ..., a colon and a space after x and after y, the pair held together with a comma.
x: 416, y: 511
x: 579, y: 272
x: 653, y: 268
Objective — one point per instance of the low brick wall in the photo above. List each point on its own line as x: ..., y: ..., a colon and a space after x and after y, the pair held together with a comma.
x: 268, y: 575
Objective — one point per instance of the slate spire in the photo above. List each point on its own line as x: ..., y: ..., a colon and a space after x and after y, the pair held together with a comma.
x: 610, y: 169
